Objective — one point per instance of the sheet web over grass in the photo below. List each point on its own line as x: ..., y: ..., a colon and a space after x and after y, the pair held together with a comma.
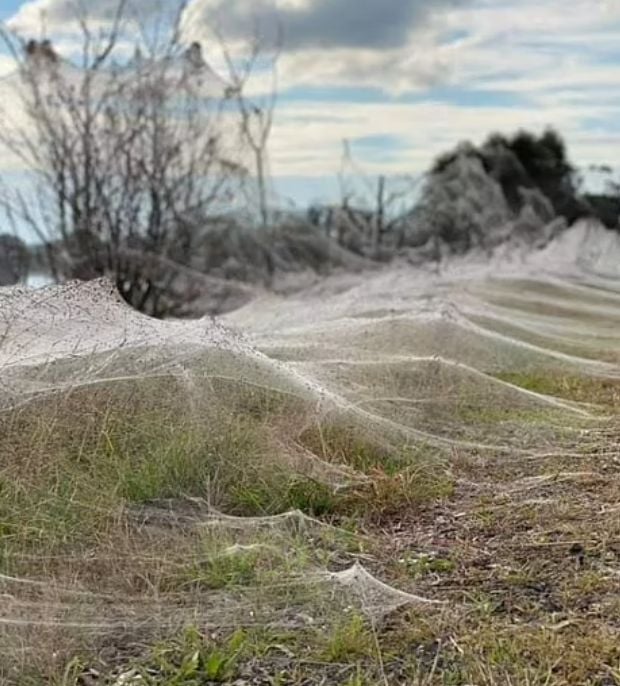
x: 179, y: 501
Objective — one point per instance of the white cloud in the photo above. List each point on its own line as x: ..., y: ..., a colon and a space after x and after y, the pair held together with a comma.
x: 389, y: 43
x: 325, y: 24
x: 41, y: 16
x: 425, y: 130
x: 510, y: 43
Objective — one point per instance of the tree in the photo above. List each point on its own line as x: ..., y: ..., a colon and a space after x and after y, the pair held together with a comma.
x: 547, y: 167
x: 530, y: 185
x: 14, y: 260
x: 128, y: 158
x: 528, y: 161
x: 461, y: 206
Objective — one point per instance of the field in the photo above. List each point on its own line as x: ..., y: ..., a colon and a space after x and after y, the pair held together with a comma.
x: 397, y: 477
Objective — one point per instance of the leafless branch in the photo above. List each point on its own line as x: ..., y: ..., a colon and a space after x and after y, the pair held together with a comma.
x: 122, y: 160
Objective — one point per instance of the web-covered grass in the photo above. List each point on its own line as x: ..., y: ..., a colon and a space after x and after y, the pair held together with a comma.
x: 359, y: 496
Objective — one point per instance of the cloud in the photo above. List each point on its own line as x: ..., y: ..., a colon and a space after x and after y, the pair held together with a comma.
x: 395, y: 45
x: 38, y: 16
x: 393, y: 71
x: 385, y: 43
x: 325, y: 24
x: 307, y: 139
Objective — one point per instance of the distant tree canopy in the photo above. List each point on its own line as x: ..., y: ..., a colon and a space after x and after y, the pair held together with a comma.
x: 521, y: 187
x: 527, y: 161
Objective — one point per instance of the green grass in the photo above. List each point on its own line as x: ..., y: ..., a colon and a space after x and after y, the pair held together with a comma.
x: 78, y: 470
x: 80, y: 475
x: 504, y: 412
x: 419, y: 566
x: 349, y: 641
x: 86, y: 476
x: 192, y: 660
x: 569, y: 387
x: 402, y: 476
x: 288, y: 492
x: 227, y: 569
x: 69, y: 467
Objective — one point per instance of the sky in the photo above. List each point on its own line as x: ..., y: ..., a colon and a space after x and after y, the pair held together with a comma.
x: 404, y: 80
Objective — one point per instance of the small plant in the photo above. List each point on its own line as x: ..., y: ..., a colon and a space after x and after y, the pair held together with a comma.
x: 311, y: 497
x: 278, y: 491
x: 356, y: 679
x: 426, y: 564
x: 193, y: 661
x: 343, y: 442
x: 414, y: 486
x: 230, y: 568
x: 350, y: 640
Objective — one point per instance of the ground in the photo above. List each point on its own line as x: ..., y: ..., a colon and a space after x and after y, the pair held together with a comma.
x: 407, y: 495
